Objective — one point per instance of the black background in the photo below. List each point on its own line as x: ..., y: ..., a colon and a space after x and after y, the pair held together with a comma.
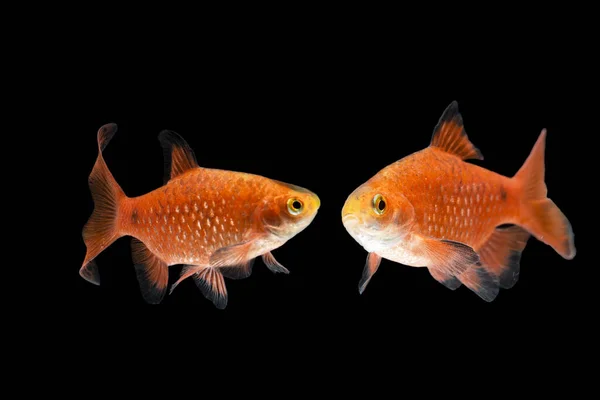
x: 323, y: 99
x: 326, y: 118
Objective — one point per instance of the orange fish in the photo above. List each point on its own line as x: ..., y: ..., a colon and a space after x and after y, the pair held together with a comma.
x: 432, y: 209
x: 215, y: 222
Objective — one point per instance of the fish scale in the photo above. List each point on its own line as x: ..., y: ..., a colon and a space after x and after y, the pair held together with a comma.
x: 196, y: 221
x: 465, y: 202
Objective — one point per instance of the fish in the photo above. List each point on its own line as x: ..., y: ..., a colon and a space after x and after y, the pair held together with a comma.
x: 213, y: 222
x: 466, y: 224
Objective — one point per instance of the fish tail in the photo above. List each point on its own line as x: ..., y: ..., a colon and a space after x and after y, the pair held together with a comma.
x: 540, y: 215
x: 102, y: 228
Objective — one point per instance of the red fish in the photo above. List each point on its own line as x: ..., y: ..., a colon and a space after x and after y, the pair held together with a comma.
x: 215, y: 222
x: 432, y: 209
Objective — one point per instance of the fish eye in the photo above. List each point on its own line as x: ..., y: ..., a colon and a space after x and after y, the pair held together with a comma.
x: 294, y: 206
x: 379, y: 204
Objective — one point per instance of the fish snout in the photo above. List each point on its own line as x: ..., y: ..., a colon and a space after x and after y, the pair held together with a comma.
x: 350, y: 212
x: 316, y: 201
x: 313, y: 203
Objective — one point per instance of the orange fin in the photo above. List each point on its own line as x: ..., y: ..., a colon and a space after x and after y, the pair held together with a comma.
x: 540, y: 215
x: 449, y: 257
x: 238, y: 271
x: 151, y: 271
x: 532, y: 173
x: 501, y: 254
x: 90, y: 272
x: 186, y: 272
x: 102, y: 227
x: 212, y: 285
x: 237, y: 254
x: 179, y: 156
x: 450, y: 281
x: 449, y: 135
x: 373, y: 261
x: 480, y: 281
x: 273, y: 264
x: 549, y: 225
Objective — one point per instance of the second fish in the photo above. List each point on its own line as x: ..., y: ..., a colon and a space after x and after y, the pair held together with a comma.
x: 433, y: 209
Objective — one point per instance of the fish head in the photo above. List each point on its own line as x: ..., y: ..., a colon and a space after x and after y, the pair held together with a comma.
x: 376, y: 217
x: 289, y: 211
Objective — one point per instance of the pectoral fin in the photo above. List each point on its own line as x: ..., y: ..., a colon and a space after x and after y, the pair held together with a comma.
x: 273, y: 264
x: 447, y: 256
x: 373, y: 261
x: 238, y: 254
x: 238, y: 271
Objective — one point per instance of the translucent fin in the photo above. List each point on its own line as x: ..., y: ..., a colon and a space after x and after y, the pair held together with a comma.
x: 371, y: 266
x: 449, y: 135
x: 238, y: 271
x: 231, y: 255
x: 540, y: 215
x: 102, y: 228
x: 273, y: 264
x: 447, y: 256
x: 178, y: 155
x: 186, y: 272
x: 152, y: 272
x: 501, y: 254
x: 212, y: 285
x: 480, y: 281
x: 450, y: 281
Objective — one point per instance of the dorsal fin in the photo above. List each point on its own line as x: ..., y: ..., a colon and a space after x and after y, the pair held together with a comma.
x: 179, y: 156
x: 449, y: 135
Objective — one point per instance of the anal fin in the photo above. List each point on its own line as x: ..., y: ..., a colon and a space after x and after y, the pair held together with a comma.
x: 481, y: 281
x: 501, y: 254
x: 151, y: 271
x: 90, y: 272
x: 450, y: 281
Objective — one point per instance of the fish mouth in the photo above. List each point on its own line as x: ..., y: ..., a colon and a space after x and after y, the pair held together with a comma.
x: 317, y: 201
x: 350, y: 209
x: 350, y: 221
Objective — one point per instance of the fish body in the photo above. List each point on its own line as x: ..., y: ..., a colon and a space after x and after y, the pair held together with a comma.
x: 454, y: 200
x: 200, y: 212
x: 215, y: 222
x: 433, y: 209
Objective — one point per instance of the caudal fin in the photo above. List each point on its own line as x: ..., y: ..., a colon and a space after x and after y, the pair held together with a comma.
x: 102, y: 227
x: 539, y: 215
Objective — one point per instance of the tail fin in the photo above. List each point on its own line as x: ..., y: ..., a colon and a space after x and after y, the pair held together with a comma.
x: 101, y: 229
x: 539, y: 215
